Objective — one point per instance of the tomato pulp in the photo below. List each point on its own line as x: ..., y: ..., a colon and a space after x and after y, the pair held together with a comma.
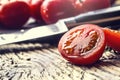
x: 83, y: 44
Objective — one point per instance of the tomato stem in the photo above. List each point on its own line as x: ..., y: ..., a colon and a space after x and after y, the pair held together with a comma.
x: 81, y: 1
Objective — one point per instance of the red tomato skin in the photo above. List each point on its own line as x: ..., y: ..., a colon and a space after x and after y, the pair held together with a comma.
x: 91, y: 5
x: 35, y: 6
x: 91, y: 56
x: 95, y: 4
x: 112, y: 38
x: 78, y: 7
x: 14, y: 14
x: 53, y: 10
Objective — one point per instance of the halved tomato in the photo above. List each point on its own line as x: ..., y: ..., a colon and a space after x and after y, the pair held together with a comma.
x: 112, y: 38
x: 83, y: 44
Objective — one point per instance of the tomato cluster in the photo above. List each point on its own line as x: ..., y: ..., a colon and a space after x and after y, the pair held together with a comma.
x: 52, y: 10
x: 85, y: 44
x: 15, y: 13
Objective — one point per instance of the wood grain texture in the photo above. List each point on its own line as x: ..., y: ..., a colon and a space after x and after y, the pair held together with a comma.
x: 44, y: 62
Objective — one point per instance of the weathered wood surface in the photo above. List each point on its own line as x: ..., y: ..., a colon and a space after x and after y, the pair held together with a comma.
x: 35, y: 61
x: 44, y: 62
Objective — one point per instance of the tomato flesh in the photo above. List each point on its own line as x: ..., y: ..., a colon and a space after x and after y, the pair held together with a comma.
x: 88, y: 42
x: 83, y: 44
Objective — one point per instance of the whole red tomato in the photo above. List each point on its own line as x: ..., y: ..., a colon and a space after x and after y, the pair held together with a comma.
x: 112, y: 38
x: 53, y: 10
x: 83, y: 44
x: 35, y: 6
x: 90, y: 5
x: 13, y: 14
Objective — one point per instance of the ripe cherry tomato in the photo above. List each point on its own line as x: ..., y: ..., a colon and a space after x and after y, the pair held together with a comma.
x: 90, y: 5
x: 53, y: 10
x: 112, y: 38
x: 14, y: 14
x: 35, y: 6
x: 83, y: 44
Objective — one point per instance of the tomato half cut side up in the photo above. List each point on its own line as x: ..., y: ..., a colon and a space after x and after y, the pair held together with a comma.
x: 83, y: 45
x: 112, y: 38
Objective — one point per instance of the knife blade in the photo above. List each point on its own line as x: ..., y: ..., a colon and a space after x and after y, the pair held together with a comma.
x: 103, y: 17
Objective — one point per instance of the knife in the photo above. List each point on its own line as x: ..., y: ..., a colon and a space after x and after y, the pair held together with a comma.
x: 103, y: 17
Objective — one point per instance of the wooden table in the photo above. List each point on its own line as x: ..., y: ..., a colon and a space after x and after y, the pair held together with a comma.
x: 42, y: 61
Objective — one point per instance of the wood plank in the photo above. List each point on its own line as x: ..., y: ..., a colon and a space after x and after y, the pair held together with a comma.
x: 44, y: 62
